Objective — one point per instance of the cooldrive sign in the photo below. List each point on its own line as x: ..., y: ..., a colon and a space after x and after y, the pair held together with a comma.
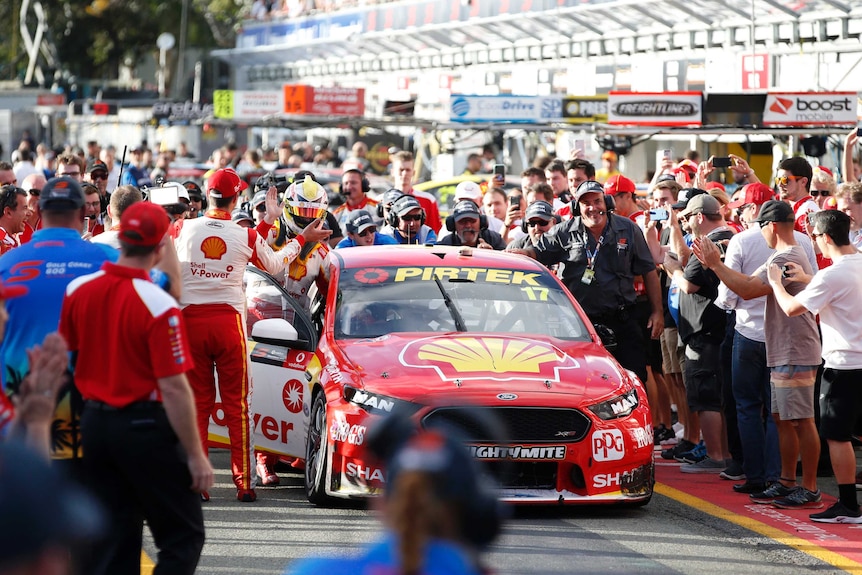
x: 655, y: 108
x: 504, y: 108
x: 810, y: 108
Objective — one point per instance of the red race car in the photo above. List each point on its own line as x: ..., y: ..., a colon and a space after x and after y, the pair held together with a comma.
x: 445, y: 334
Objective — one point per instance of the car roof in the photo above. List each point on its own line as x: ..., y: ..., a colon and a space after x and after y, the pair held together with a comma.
x: 418, y: 256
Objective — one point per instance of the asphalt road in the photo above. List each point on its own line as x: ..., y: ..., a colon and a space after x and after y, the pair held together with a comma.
x: 664, y: 537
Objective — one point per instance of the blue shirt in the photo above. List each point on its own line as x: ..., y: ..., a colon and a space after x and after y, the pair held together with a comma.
x: 45, y: 265
x: 441, y: 558
x: 379, y: 240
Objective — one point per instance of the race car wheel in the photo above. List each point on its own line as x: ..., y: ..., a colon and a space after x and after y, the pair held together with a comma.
x: 316, y: 452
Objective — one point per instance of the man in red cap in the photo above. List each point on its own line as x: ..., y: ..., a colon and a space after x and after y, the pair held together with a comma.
x: 143, y: 458
x: 623, y: 191
x: 213, y: 253
x: 753, y: 196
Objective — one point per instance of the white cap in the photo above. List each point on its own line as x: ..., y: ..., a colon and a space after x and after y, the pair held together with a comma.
x: 468, y: 191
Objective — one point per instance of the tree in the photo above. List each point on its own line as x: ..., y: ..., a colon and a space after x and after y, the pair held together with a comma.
x: 95, y: 37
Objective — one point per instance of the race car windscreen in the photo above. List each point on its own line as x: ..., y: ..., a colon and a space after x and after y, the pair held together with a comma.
x: 377, y: 301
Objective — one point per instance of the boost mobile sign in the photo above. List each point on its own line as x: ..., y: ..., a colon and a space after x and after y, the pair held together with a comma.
x: 810, y: 109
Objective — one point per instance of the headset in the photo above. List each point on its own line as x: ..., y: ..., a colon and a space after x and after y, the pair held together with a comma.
x: 392, y: 217
x: 483, y: 220
x: 392, y: 192
x: 366, y: 185
x: 610, y: 205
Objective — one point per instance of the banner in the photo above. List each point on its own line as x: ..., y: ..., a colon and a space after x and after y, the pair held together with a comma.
x: 655, y: 108
x: 309, y: 100
x: 810, y: 109
x: 464, y: 108
x: 585, y: 109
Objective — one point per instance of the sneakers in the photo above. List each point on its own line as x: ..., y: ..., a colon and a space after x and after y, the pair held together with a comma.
x: 680, y: 448
x: 268, y: 478
x: 661, y: 434
x: 695, y: 455
x: 771, y: 493
x: 750, y: 487
x: 800, y: 498
x: 246, y: 495
x: 733, y: 472
x: 705, y: 465
x: 838, y: 513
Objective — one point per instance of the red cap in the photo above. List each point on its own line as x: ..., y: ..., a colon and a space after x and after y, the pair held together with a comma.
x: 714, y: 186
x: 755, y: 193
x: 225, y: 183
x: 143, y: 224
x: 616, y: 184
x: 831, y: 203
x: 825, y: 170
x: 12, y: 291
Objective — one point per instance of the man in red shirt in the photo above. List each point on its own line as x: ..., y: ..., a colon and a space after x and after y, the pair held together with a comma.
x: 143, y: 457
x: 213, y: 253
x: 402, y: 174
x: 13, y: 202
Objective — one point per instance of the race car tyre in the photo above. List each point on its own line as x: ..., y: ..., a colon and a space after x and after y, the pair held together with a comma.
x: 316, y: 453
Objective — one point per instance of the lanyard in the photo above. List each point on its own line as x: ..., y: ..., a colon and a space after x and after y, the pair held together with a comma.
x: 592, y: 256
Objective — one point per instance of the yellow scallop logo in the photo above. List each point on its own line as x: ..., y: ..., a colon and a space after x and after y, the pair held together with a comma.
x: 213, y: 248
x: 498, y: 358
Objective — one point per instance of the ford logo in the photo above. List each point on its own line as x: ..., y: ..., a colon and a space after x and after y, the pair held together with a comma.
x: 507, y: 396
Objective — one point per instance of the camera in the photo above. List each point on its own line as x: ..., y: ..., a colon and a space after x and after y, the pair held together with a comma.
x: 269, y: 179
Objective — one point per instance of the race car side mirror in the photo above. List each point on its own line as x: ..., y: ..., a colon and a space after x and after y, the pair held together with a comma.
x: 275, y: 331
x: 607, y: 335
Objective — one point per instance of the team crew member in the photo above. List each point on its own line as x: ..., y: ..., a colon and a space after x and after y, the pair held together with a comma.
x: 213, y: 253
x: 362, y: 231
x: 13, y: 202
x: 469, y: 228
x: 354, y: 189
x: 402, y: 173
x: 138, y: 405
x: 603, y: 253
x: 405, y: 221
x: 55, y: 256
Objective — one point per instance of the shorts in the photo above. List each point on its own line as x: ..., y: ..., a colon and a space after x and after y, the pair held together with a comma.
x: 840, y: 403
x: 654, y: 359
x: 793, y: 391
x: 670, y: 351
x: 702, y: 374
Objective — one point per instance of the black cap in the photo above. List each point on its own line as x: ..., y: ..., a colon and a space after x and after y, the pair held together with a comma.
x: 776, y: 211
x: 359, y: 221
x: 405, y: 204
x: 540, y: 209
x: 588, y: 187
x: 466, y: 209
x: 685, y: 195
x: 61, y: 194
x: 94, y: 165
x: 39, y: 508
x: 194, y: 189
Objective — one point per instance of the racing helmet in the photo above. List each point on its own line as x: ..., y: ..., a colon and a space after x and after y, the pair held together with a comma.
x: 305, y: 201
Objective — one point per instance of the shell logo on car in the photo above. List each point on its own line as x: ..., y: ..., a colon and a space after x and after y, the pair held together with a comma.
x: 487, y: 358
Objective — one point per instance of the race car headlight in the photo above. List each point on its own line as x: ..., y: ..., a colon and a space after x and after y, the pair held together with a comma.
x: 376, y: 403
x: 619, y: 406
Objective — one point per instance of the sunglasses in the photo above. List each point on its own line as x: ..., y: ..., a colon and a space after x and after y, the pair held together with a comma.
x: 782, y: 180
x: 822, y: 193
x: 414, y: 218
x: 366, y: 232
x: 534, y: 223
x: 96, y: 176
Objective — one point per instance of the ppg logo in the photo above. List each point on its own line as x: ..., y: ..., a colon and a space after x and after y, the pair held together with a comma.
x: 608, y: 445
x: 460, y: 107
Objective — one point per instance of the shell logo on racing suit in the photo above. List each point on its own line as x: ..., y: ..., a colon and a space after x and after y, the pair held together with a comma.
x: 213, y: 248
x: 515, y: 358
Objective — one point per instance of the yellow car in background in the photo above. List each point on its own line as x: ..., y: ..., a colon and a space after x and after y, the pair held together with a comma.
x: 444, y: 190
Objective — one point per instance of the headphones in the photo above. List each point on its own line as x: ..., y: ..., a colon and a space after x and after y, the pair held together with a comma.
x: 366, y: 185
x: 610, y: 205
x: 483, y: 220
x: 392, y: 217
x: 382, y: 201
